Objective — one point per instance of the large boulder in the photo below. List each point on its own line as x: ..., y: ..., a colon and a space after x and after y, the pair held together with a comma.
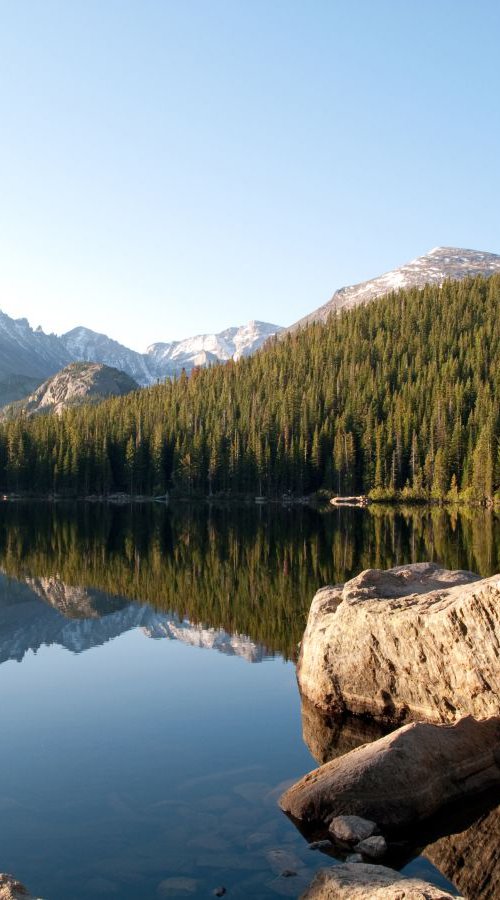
x: 367, y: 882
x: 414, y: 642
x: 402, y: 779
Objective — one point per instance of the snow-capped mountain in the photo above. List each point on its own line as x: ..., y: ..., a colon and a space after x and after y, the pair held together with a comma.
x: 43, y: 611
x: 233, y: 343
x: 163, y: 360
x: 75, y: 384
x: 433, y: 268
x: 28, y: 356
x: 84, y: 345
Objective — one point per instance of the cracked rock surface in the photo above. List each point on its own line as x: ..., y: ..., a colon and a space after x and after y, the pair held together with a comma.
x: 413, y: 642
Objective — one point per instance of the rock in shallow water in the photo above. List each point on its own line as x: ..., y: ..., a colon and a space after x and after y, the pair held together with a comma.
x: 404, y: 778
x: 367, y: 882
x: 414, y: 642
x: 177, y: 887
x: 351, y: 829
x: 373, y: 847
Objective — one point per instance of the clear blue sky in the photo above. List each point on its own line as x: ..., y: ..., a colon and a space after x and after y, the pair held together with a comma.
x: 168, y: 168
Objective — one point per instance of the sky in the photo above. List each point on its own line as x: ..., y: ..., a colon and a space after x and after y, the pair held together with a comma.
x: 173, y: 168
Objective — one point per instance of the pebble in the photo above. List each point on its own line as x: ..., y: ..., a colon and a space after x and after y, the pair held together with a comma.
x: 373, y: 847
x: 352, y: 829
x: 320, y: 845
x: 219, y: 891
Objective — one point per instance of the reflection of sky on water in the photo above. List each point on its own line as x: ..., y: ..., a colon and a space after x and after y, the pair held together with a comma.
x: 141, y: 761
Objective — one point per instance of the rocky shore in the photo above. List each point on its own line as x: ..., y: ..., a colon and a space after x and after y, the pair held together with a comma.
x: 12, y: 889
x: 418, y: 645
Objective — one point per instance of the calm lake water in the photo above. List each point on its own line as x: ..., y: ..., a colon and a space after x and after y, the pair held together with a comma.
x: 149, y: 708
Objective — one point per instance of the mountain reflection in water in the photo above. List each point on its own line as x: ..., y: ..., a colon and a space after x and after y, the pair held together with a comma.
x: 44, y: 611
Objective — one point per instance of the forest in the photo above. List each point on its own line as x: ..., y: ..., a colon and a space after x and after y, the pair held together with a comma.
x: 397, y: 399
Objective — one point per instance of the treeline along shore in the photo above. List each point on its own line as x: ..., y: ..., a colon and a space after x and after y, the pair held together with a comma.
x: 397, y: 399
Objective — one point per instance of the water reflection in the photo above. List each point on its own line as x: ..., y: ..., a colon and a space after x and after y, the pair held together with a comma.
x: 250, y: 571
x: 45, y: 611
x: 155, y: 763
x: 471, y: 859
x: 328, y: 737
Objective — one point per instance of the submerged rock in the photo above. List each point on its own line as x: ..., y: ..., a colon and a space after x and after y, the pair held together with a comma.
x: 373, y: 847
x: 358, y: 881
x: 351, y: 829
x: 177, y: 887
x: 404, y: 778
x: 414, y: 642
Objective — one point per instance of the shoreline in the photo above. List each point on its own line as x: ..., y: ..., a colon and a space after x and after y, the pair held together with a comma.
x: 318, y: 502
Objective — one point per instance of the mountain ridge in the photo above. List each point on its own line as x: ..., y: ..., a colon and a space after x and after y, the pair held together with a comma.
x: 30, y: 356
x: 435, y: 267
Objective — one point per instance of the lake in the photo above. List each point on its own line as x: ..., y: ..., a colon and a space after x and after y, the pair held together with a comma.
x: 150, y: 712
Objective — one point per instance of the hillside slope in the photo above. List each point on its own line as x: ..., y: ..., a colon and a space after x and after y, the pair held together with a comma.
x: 397, y: 396
x: 75, y: 384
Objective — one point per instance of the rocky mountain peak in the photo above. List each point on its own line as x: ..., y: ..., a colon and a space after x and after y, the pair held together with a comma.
x: 436, y: 266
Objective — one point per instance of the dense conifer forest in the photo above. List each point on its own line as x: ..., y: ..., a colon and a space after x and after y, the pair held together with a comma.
x: 398, y: 398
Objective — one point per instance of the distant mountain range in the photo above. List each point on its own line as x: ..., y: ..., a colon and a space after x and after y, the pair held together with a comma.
x: 28, y: 357
x: 433, y: 268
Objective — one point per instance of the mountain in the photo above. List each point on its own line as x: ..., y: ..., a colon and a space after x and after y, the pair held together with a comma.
x: 433, y: 268
x: 28, y: 356
x: 163, y: 360
x: 13, y: 387
x: 24, y: 351
x: 84, y: 345
x: 398, y: 398
x: 76, y: 384
x: 233, y: 343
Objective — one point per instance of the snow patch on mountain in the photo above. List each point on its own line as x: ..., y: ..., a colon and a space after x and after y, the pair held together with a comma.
x: 233, y: 343
x: 435, y: 267
x: 85, y: 345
